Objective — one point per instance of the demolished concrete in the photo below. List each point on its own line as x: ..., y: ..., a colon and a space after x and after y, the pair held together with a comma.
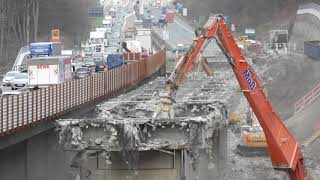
x: 125, y: 125
x: 123, y: 130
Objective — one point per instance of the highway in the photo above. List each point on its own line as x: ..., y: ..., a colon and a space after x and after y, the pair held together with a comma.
x: 309, y: 8
x: 16, y: 110
x: 180, y: 32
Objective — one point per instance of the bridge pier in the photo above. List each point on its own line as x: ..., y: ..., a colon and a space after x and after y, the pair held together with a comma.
x: 36, y: 158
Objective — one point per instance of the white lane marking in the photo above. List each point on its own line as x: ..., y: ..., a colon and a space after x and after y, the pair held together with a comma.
x: 183, y: 26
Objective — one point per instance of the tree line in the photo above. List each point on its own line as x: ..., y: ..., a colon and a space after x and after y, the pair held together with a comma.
x: 18, y: 20
x: 25, y: 21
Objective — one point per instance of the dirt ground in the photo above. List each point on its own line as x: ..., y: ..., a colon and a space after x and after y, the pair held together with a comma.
x: 288, y: 79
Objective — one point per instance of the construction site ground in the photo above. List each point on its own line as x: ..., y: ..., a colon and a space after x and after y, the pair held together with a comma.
x: 286, y: 79
x: 139, y: 104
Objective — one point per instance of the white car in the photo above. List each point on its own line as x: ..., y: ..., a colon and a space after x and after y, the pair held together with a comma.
x: 15, y: 92
x: 9, y: 77
x: 11, y: 93
x: 20, y: 80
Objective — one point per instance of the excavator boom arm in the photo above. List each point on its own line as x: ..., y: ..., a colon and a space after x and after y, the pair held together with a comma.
x: 284, y: 150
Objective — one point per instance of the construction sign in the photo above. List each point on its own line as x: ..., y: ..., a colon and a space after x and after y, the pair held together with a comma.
x: 55, y: 35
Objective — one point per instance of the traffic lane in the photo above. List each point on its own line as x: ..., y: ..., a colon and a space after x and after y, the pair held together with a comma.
x: 180, y: 32
x: 212, y: 48
x: 177, y: 34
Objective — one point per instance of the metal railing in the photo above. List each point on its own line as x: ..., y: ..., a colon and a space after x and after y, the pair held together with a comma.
x: 310, y: 6
x: 307, y: 99
x: 23, y: 49
x: 23, y: 110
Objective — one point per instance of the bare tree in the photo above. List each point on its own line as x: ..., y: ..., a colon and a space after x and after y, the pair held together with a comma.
x: 35, y: 17
x: 20, y: 21
x: 2, y: 25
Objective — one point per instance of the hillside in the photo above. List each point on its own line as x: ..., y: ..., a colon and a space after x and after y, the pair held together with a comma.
x: 70, y: 16
x: 260, y: 14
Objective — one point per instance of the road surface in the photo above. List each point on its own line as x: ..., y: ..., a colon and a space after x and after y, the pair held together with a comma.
x: 180, y: 32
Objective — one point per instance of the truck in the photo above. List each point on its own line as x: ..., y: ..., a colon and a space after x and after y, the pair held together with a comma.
x: 108, y: 22
x: 278, y: 39
x: 113, y: 12
x: 88, y: 50
x: 164, y: 10
x: 147, y: 22
x: 179, y: 8
x: 45, y: 49
x: 144, y: 36
x: 114, y: 61
x: 312, y: 49
x: 162, y: 21
x: 185, y: 12
x: 46, y: 71
x: 227, y: 19
x: 158, y: 3
x: 138, y: 23
x: 130, y: 31
x: 141, y: 10
x: 97, y: 38
x: 251, y: 33
x: 170, y: 16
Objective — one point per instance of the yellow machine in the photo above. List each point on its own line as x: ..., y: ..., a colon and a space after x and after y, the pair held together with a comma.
x: 131, y: 28
x: 234, y: 118
x: 253, y: 140
x: 244, y: 42
x: 254, y: 137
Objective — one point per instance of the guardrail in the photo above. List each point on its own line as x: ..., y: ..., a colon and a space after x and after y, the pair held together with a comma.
x: 24, y: 110
x: 22, y: 50
x: 310, y: 6
x: 307, y: 99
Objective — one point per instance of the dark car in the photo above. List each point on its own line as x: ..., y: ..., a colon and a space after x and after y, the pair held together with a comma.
x: 162, y: 22
x: 100, y: 65
x: 82, y: 72
x: 155, y: 22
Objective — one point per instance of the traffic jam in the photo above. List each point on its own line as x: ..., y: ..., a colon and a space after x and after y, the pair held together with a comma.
x: 43, y: 64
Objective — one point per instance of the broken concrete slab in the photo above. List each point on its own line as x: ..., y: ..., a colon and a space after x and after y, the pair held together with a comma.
x: 125, y: 123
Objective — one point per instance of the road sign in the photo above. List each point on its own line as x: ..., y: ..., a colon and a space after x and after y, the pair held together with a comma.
x: 55, y: 35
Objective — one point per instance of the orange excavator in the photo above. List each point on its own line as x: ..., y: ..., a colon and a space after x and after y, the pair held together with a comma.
x: 284, y: 150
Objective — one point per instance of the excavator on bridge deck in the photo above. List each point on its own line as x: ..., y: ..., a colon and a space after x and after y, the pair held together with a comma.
x: 284, y: 150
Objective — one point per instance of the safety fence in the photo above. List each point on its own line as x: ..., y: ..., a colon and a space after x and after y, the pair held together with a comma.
x: 307, y: 98
x: 44, y: 104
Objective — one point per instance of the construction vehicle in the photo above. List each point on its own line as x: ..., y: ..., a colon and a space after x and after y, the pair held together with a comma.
x: 130, y: 31
x: 253, y: 140
x: 284, y: 150
x: 244, y: 42
x: 234, y: 118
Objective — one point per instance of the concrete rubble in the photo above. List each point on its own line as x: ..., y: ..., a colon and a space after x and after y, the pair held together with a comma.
x: 126, y: 124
